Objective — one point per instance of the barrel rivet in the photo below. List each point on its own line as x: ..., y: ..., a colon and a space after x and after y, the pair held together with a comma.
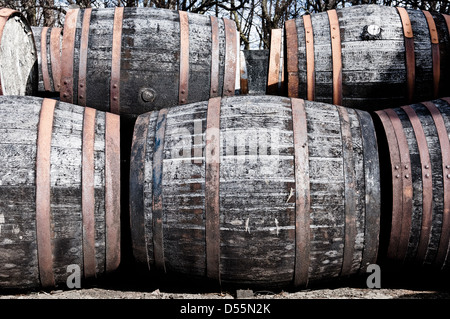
x: 65, y: 82
x: 147, y: 94
x: 427, y: 175
x: 81, y: 97
x: 447, y: 166
x: 183, y: 100
x: 397, y: 176
x: 448, y: 175
x: 427, y: 166
x: 396, y: 167
x: 406, y: 166
x: 65, y: 95
x: 407, y: 176
x: 214, y: 90
x: 115, y: 98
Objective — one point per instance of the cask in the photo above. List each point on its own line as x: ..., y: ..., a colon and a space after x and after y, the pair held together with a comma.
x: 18, y: 57
x: 261, y: 190
x: 48, y: 45
x: 134, y: 60
x: 59, y: 192
x: 417, y: 166
x: 368, y: 56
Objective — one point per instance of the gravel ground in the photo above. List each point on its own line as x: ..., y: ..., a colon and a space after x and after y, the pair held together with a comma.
x: 393, y: 286
x: 338, y: 293
x: 173, y: 299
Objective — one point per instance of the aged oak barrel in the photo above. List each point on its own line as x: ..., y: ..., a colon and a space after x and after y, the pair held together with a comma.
x: 418, y: 180
x: 254, y: 67
x: 18, y: 66
x: 48, y: 45
x: 258, y: 190
x: 262, y: 71
x: 59, y: 192
x: 368, y: 56
x: 134, y: 60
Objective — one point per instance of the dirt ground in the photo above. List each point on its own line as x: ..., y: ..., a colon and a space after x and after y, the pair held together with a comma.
x: 394, y: 285
x: 337, y: 293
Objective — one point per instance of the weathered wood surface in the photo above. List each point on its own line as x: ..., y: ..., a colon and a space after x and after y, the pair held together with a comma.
x: 19, y: 122
x: 257, y: 190
x: 149, y: 59
x: 428, y: 233
x: 52, y: 51
x: 373, y: 65
x: 257, y: 64
x: 18, y: 56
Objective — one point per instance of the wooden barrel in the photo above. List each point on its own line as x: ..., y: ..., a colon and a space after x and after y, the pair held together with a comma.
x: 368, y: 56
x: 18, y: 67
x: 417, y: 138
x: 254, y: 67
x: 135, y: 60
x: 262, y: 71
x: 48, y: 44
x: 59, y: 192
x: 258, y: 190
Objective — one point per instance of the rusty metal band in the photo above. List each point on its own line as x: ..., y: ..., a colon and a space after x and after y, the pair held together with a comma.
x: 137, y: 179
x: 427, y: 185
x: 274, y: 62
x: 184, y: 58
x: 336, y: 56
x: 349, y: 190
x: 43, y: 194
x: 229, y: 77
x: 112, y: 190
x: 114, y: 104
x: 409, y: 52
x: 302, y: 193
x: 444, y: 143
x: 215, y: 57
x: 68, y: 45
x: 406, y: 176
x: 88, y: 192
x: 82, y: 70
x: 397, y: 184
x: 212, y: 186
x: 157, y: 206
x: 5, y: 14
x: 55, y: 56
x: 435, y: 51
x: 44, y: 60
x: 310, y: 74
x: 291, y: 58
x: 447, y: 21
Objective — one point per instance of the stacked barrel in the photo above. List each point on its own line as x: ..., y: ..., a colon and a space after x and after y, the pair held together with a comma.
x: 327, y: 147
